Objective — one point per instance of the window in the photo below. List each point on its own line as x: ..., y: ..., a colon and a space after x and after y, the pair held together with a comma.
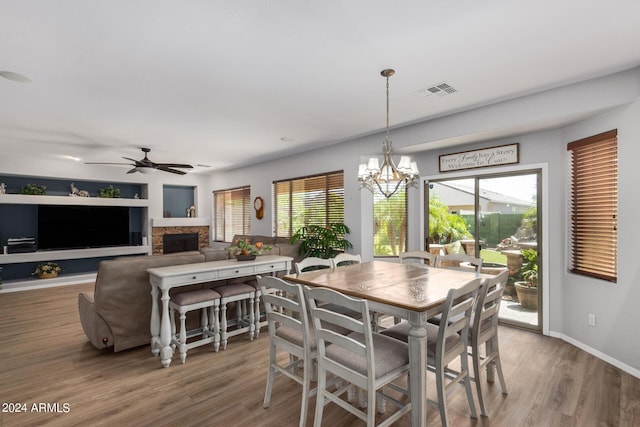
x: 232, y: 213
x: 390, y: 223
x: 312, y: 200
x: 594, y: 205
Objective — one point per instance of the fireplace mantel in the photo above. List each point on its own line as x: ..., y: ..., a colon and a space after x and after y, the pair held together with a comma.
x: 180, y: 222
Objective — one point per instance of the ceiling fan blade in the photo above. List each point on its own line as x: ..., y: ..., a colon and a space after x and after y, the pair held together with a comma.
x: 144, y: 163
x: 174, y: 165
x: 102, y: 163
x: 167, y: 169
x: 147, y: 166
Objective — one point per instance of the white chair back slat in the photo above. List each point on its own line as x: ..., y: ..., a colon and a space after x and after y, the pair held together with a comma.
x: 345, y: 259
x: 418, y: 257
x: 312, y: 262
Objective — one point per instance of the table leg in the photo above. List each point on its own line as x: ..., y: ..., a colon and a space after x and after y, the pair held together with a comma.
x: 418, y: 368
x: 166, y: 352
x: 155, y: 322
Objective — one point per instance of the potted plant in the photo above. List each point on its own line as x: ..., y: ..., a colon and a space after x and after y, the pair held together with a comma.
x: 527, y: 290
x: 47, y: 270
x: 110, y: 192
x: 33, y: 189
x: 322, y: 242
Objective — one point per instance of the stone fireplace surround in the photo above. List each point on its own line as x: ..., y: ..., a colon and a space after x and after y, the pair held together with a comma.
x: 158, y: 232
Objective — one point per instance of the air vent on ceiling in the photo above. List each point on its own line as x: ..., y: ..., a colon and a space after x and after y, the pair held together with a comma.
x: 440, y: 89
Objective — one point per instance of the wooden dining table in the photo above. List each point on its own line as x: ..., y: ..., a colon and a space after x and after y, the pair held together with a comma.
x: 414, y: 292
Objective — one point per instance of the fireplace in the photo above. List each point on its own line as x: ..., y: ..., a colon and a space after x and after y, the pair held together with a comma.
x: 158, y: 234
x: 179, y: 242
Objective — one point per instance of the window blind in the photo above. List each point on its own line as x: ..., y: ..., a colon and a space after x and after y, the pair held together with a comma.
x: 390, y: 223
x: 594, y: 205
x: 232, y: 213
x: 310, y: 200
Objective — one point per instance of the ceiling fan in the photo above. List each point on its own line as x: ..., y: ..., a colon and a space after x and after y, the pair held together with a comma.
x: 146, y: 166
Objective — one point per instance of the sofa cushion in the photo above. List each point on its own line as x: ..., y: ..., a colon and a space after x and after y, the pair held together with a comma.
x: 213, y: 254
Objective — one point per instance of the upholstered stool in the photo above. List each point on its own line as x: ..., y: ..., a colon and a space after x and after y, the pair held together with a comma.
x: 245, y: 319
x: 201, y: 299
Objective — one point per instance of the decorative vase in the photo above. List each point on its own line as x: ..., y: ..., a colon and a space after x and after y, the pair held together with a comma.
x: 527, y: 295
x: 245, y: 257
x: 48, y: 275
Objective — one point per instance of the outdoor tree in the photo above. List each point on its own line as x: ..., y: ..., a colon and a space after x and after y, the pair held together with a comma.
x: 445, y: 227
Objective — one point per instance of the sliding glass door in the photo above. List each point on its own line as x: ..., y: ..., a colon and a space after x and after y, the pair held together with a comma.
x: 494, y: 217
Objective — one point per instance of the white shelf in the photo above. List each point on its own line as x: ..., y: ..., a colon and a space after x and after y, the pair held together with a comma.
x: 73, y: 254
x: 23, y: 199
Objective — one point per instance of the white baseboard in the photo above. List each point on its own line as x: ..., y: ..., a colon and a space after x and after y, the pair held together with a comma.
x: 62, y: 280
x: 618, y: 364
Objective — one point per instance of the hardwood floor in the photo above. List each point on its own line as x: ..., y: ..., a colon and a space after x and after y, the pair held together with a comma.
x: 46, y: 359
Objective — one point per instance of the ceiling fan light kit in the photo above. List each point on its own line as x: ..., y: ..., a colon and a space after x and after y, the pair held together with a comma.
x: 389, y: 178
x: 146, y: 166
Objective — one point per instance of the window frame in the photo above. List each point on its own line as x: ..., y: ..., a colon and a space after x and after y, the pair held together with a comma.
x: 593, y: 206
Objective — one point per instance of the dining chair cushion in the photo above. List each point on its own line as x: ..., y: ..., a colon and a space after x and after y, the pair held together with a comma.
x: 390, y: 354
x: 484, y: 326
x: 401, y: 332
x: 295, y: 336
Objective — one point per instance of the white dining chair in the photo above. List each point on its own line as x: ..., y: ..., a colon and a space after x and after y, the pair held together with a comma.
x: 446, y: 343
x: 290, y: 332
x: 484, y: 330
x: 367, y: 360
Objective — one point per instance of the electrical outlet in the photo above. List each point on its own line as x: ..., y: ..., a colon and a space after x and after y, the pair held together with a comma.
x: 592, y: 319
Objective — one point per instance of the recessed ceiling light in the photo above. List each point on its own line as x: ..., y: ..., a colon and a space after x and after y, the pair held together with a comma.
x: 9, y: 75
x: 75, y: 159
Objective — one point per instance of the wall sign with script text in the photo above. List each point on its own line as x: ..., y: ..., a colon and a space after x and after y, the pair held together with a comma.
x: 492, y: 156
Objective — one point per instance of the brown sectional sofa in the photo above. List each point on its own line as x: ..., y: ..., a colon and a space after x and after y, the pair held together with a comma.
x: 117, y: 313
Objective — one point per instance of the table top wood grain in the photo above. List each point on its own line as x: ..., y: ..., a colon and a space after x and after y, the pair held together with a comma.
x: 414, y: 287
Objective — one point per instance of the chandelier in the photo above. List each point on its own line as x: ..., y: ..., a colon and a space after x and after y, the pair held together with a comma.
x: 389, y: 178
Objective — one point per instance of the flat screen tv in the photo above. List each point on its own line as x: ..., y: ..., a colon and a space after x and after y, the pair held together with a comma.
x: 78, y: 227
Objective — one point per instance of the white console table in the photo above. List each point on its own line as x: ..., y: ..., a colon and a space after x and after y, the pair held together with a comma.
x: 164, y: 278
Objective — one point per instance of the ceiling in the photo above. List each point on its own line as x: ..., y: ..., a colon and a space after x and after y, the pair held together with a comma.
x: 228, y: 83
